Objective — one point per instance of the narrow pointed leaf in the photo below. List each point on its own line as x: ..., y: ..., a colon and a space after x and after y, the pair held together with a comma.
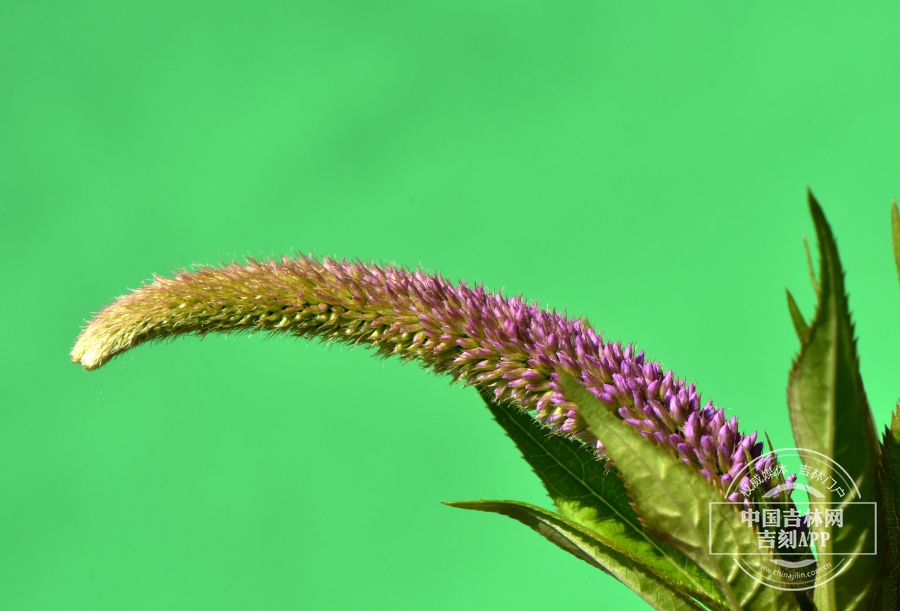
x: 830, y: 415
x: 591, y: 493
x: 890, y: 485
x: 584, y: 544
x: 812, y: 270
x: 895, y: 229
x: 674, y: 501
x: 800, y: 326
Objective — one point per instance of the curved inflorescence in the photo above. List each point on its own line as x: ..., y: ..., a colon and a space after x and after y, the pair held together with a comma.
x: 483, y: 339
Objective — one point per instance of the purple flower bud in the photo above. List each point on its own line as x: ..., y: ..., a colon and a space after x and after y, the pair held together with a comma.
x: 708, y: 446
x: 638, y: 424
x: 692, y: 430
x: 676, y: 409
x: 606, y: 398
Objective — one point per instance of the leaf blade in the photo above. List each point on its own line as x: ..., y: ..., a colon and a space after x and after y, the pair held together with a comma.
x: 675, y: 504
x: 890, y: 482
x: 800, y: 326
x: 895, y: 230
x: 586, y: 545
x: 592, y: 494
x: 826, y: 395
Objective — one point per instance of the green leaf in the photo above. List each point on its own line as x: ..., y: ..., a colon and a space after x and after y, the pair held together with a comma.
x: 890, y: 487
x: 812, y: 270
x: 826, y: 397
x: 584, y: 544
x: 800, y: 326
x: 674, y: 502
x: 591, y: 493
x: 895, y: 229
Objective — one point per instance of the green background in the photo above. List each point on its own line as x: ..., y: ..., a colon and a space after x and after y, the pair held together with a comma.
x: 640, y: 163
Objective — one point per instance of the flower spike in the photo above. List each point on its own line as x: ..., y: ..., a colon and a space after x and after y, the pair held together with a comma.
x: 483, y: 339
